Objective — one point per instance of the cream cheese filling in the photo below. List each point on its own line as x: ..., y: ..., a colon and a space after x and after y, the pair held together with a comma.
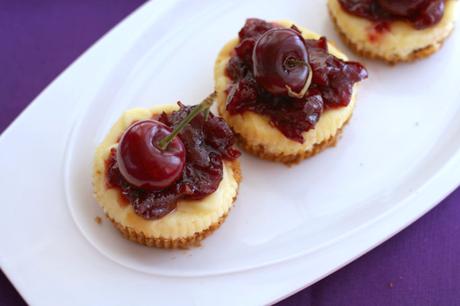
x: 400, y: 40
x: 188, y: 218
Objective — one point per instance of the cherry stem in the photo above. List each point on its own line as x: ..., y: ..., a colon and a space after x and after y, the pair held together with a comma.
x: 292, y: 62
x: 202, y: 107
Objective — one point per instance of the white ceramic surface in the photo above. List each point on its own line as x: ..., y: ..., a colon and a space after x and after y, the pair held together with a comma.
x: 399, y: 156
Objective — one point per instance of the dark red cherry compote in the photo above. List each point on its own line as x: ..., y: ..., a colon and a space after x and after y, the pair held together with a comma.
x: 277, y: 73
x: 421, y: 14
x: 177, y: 156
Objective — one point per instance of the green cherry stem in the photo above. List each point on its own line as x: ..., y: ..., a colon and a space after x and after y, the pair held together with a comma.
x: 292, y: 62
x: 202, y: 107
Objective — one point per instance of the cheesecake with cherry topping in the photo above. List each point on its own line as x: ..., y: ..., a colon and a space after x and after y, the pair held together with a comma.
x: 167, y: 176
x: 394, y: 30
x: 285, y: 91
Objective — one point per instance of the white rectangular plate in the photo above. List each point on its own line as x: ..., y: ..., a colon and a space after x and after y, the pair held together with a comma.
x: 398, y: 158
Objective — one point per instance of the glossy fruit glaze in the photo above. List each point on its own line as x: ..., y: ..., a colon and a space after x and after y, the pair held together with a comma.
x: 421, y: 14
x: 331, y: 87
x: 208, y: 143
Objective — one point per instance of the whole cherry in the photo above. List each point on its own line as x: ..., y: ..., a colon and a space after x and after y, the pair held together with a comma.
x: 402, y: 8
x: 280, y: 63
x: 143, y: 163
x: 150, y: 155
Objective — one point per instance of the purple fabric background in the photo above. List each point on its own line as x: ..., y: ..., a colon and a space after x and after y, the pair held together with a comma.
x: 420, y: 266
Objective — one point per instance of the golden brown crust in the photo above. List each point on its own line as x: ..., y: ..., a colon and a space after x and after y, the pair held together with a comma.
x: 179, y: 243
x: 290, y: 159
x: 390, y: 59
x: 164, y: 243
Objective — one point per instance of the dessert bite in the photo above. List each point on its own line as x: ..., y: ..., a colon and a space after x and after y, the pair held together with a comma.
x: 394, y: 30
x: 285, y: 91
x: 167, y: 176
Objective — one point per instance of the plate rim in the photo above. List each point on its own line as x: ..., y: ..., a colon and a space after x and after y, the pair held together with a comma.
x: 436, y: 188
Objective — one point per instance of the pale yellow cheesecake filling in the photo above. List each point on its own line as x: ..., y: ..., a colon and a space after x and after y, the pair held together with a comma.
x: 188, y: 218
x: 400, y: 40
x: 257, y: 130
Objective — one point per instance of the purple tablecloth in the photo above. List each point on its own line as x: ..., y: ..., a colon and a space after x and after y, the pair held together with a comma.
x: 420, y: 266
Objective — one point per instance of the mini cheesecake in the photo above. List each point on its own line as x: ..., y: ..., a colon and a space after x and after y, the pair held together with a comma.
x: 191, y: 221
x: 392, y: 40
x: 258, y: 135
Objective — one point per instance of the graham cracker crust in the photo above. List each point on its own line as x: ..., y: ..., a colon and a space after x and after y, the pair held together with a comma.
x: 166, y: 243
